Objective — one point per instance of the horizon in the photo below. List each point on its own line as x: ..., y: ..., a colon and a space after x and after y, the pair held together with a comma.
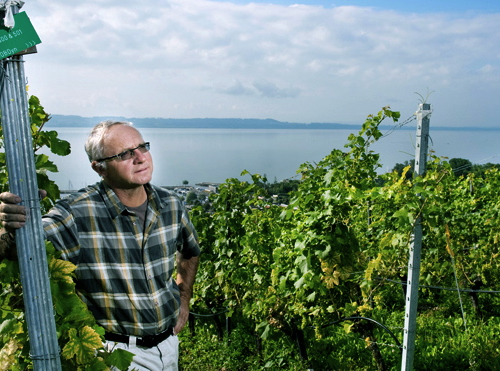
x: 399, y: 125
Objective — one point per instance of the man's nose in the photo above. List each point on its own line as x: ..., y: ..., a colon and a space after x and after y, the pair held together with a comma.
x: 139, y: 156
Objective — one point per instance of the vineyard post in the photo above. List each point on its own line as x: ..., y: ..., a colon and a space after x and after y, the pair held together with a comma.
x: 410, y: 325
x: 39, y: 311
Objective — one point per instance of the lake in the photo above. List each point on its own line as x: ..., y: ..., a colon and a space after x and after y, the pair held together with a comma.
x: 214, y: 155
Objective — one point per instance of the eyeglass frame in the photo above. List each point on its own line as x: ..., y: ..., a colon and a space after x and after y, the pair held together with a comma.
x: 146, y: 146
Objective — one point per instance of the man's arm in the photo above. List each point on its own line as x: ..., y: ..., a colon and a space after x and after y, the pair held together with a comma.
x: 186, y: 273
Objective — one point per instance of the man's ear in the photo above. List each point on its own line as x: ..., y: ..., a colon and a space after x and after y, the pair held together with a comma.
x: 98, y: 167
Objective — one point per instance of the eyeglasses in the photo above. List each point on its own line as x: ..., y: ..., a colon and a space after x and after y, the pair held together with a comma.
x: 128, y: 154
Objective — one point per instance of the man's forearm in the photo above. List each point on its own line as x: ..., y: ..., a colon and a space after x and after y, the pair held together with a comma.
x: 186, y: 274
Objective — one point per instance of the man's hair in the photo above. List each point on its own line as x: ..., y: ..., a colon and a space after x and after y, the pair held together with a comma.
x: 94, y: 144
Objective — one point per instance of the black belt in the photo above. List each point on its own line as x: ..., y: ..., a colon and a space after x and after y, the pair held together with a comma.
x: 147, y: 341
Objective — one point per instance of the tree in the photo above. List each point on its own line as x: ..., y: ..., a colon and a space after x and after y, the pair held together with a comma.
x: 191, y: 198
x: 461, y: 166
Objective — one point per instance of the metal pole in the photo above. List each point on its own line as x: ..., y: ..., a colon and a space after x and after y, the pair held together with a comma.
x: 410, y: 325
x: 30, y: 241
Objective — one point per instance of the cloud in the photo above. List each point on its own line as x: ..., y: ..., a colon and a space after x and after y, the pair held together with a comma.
x: 196, y: 58
x: 269, y: 89
x: 237, y: 88
x: 261, y: 88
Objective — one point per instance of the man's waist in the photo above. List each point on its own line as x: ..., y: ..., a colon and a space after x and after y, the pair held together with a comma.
x: 147, y: 341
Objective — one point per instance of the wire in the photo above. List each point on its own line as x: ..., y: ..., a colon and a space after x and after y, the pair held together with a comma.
x: 366, y: 319
x: 209, y: 315
x: 400, y: 125
x: 441, y: 288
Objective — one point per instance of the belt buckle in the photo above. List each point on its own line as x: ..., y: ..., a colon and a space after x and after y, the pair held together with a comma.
x: 150, y: 341
x: 147, y: 341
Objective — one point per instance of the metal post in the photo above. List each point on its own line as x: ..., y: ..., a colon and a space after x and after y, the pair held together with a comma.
x: 39, y: 312
x: 423, y: 118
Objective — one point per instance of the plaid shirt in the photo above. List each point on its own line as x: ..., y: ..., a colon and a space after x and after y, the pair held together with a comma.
x: 124, y: 273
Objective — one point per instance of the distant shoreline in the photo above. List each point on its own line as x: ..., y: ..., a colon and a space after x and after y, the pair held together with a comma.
x: 68, y: 121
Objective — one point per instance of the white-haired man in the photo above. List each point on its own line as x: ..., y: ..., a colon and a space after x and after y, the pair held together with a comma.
x: 125, y: 236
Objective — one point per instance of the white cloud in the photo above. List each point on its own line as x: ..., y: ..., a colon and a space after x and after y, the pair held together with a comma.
x: 198, y: 58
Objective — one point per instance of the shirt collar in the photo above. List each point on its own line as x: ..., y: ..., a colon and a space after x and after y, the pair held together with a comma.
x: 116, y: 207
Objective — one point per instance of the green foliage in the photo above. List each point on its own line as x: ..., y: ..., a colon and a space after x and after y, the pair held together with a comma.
x: 443, y: 345
x: 340, y: 248
x: 242, y: 349
x: 279, y: 192
x: 79, y: 337
x: 40, y: 139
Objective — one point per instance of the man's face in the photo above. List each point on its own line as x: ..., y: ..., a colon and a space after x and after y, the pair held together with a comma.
x: 133, y: 172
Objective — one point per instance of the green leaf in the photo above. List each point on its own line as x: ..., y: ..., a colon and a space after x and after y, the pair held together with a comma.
x: 299, y: 282
x: 10, y: 326
x: 311, y: 296
x: 42, y: 163
x: 120, y: 359
x: 82, y: 345
x: 301, y: 263
x: 61, y: 270
x: 347, y: 326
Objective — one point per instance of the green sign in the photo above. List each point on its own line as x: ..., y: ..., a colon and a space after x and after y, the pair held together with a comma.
x: 21, y: 37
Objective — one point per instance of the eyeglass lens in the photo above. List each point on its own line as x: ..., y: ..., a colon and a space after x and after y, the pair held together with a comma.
x: 143, y: 148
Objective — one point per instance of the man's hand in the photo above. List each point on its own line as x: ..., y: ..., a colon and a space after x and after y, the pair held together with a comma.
x: 182, y: 319
x: 12, y: 216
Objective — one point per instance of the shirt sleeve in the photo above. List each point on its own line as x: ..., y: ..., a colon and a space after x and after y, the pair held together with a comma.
x: 189, y: 245
x: 60, y: 229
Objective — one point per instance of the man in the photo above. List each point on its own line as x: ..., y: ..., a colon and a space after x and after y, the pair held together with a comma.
x: 123, y: 235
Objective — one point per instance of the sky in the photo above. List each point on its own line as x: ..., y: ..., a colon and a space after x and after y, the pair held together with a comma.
x: 310, y: 61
